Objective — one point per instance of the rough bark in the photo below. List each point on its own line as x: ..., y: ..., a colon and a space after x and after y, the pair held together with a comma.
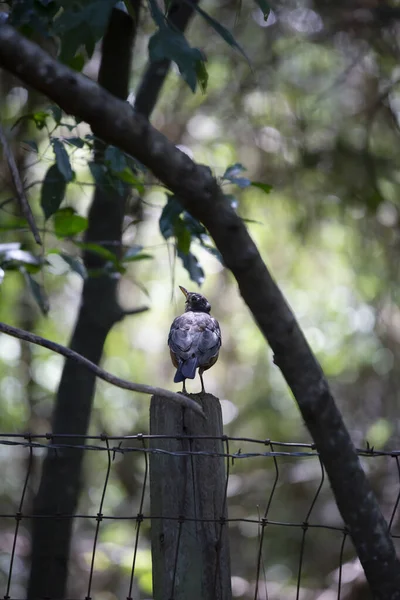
x: 61, y: 476
x: 116, y: 122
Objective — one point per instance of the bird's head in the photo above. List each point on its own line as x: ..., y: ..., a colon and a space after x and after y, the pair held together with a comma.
x: 195, y: 302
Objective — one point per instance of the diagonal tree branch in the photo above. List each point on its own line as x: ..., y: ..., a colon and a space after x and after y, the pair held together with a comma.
x: 141, y: 388
x: 116, y: 123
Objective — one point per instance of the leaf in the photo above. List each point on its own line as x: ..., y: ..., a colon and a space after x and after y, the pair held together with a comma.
x: 241, y: 182
x: 183, y: 237
x: 115, y: 158
x: 39, y: 118
x: 77, y: 62
x: 127, y: 176
x: 213, y: 251
x: 75, y: 264
x: 143, y: 256
x: 68, y: 223
x: 10, y: 246
x: 100, y: 175
x: 262, y: 186
x: 192, y: 266
x: 75, y: 141
x: 265, y: 8
x: 37, y: 291
x: 56, y: 113
x: 195, y: 227
x: 156, y: 13
x: 169, y: 215
x: 233, y: 171
x: 52, y: 192
x: 62, y: 159
x: 202, y: 75
x: 15, y: 257
x: 169, y: 44
x: 132, y: 252
x: 97, y: 249
x: 220, y: 29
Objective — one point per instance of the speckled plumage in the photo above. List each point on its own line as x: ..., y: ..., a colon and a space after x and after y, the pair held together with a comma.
x: 194, y: 339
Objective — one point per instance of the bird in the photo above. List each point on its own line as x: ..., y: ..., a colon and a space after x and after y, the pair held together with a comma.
x: 194, y: 339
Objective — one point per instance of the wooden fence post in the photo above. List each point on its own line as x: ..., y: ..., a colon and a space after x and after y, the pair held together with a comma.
x: 189, y: 538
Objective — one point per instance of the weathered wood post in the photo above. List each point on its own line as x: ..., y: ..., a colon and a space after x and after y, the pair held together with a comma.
x: 189, y: 538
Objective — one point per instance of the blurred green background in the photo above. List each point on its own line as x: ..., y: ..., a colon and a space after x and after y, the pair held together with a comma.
x: 317, y: 118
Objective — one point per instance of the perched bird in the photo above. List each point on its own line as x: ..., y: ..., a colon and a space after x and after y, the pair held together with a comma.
x: 194, y: 339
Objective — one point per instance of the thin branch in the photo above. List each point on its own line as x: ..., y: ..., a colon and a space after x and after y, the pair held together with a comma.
x: 121, y: 383
x: 117, y: 123
x: 19, y: 188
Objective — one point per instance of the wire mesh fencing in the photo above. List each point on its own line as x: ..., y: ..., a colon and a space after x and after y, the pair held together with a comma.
x: 287, y: 539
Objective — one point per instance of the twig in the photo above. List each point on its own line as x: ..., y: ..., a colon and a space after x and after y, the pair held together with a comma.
x: 19, y: 188
x: 121, y: 383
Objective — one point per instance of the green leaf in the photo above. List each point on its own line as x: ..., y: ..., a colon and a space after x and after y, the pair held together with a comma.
x: 62, y: 159
x: 68, y: 223
x: 143, y: 256
x: 265, y: 8
x: 37, y: 291
x: 202, y: 75
x: 77, y: 62
x: 127, y: 176
x: 220, y: 29
x: 183, y: 237
x: 192, y: 266
x: 262, y: 186
x: 156, y: 13
x: 115, y: 158
x: 75, y: 264
x: 39, y: 118
x: 52, y: 192
x: 170, y: 44
x: 169, y: 216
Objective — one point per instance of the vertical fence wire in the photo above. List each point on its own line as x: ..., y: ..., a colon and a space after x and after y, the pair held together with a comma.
x: 139, y: 517
x: 305, y: 528
x: 186, y: 454
x: 18, y: 518
x: 99, y: 517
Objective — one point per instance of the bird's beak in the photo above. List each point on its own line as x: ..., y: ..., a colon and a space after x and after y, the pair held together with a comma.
x: 184, y: 291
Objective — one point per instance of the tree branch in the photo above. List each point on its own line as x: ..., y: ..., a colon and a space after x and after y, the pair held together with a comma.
x: 101, y: 373
x: 116, y: 123
x: 19, y: 188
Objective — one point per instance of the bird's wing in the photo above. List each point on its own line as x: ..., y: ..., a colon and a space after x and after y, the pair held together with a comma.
x: 209, y: 339
x: 181, y: 337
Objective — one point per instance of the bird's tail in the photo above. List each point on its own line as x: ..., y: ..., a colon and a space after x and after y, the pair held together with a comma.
x: 186, y: 370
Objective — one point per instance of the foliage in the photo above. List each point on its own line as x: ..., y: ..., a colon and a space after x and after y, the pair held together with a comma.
x: 305, y: 147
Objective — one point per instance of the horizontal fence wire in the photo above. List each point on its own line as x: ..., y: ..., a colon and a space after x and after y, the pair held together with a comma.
x: 254, y: 583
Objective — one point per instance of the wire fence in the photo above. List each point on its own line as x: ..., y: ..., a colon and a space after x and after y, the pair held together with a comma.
x: 271, y: 557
